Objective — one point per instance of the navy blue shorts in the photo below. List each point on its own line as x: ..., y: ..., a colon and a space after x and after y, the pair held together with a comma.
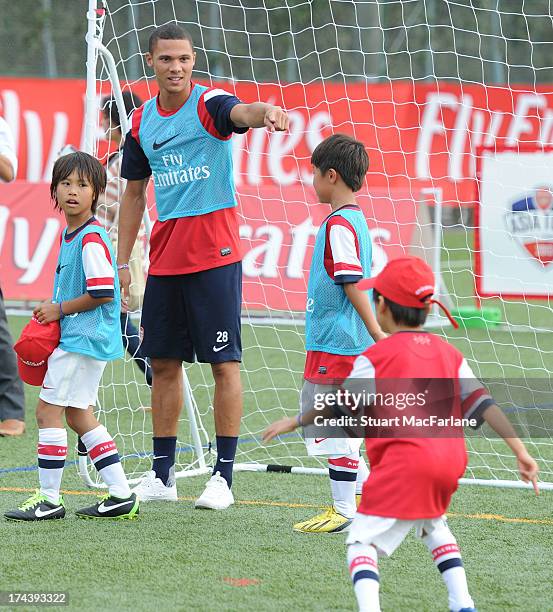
x: 194, y: 317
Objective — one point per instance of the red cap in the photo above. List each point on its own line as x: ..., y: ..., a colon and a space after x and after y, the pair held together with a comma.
x: 36, y: 343
x: 407, y: 281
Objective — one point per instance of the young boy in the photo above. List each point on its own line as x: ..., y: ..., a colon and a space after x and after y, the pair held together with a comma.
x: 340, y: 322
x: 412, y: 479
x: 87, y: 303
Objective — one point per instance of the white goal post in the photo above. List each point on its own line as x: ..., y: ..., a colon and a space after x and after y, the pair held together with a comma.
x: 279, y: 219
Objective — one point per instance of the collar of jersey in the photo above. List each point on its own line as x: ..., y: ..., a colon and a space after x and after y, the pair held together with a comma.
x: 165, y: 113
x: 349, y: 206
x: 69, y: 237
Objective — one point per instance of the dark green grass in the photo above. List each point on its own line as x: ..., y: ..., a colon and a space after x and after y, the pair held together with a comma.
x: 177, y: 558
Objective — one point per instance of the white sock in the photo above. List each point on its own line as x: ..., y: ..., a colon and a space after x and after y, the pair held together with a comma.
x: 362, y: 475
x: 52, y: 451
x: 445, y: 552
x: 343, y: 474
x: 103, y: 453
x: 363, y: 569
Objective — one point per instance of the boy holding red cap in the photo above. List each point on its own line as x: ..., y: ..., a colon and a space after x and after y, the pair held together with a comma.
x: 85, y: 308
x: 412, y: 480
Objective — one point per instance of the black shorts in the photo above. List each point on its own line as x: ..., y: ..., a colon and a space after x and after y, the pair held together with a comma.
x: 194, y: 317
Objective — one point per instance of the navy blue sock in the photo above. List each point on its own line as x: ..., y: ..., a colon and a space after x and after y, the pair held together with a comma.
x: 226, y: 450
x: 164, y: 458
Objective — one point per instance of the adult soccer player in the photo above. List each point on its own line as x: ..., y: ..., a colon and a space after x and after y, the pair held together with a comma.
x: 412, y: 478
x: 192, y: 302
x: 340, y: 323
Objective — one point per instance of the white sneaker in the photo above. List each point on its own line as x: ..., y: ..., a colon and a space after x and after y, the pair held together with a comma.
x: 217, y: 495
x: 151, y: 488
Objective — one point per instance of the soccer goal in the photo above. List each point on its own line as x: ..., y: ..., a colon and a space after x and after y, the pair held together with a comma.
x: 425, y: 105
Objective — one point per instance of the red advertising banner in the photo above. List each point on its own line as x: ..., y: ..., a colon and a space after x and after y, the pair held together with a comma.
x: 416, y: 134
x: 277, y: 229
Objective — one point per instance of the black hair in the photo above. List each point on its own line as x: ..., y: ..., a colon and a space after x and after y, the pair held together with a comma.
x: 169, y: 31
x: 345, y: 155
x: 111, y: 112
x: 403, y: 315
x: 87, y: 167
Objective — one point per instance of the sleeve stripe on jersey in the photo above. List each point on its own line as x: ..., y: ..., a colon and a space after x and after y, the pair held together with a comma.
x: 99, y: 283
x: 344, y: 268
x: 473, y: 401
x: 135, y: 123
x: 207, y: 120
x: 101, y: 293
x: 346, y: 279
x: 215, y: 92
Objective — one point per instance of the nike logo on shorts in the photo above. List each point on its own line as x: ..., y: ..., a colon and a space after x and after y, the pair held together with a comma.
x: 318, y: 440
x: 158, y: 145
x: 216, y: 349
x: 41, y: 513
x: 103, y: 508
x: 226, y: 460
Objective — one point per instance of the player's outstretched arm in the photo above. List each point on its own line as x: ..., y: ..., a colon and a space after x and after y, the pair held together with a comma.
x: 291, y: 423
x: 260, y: 114
x: 527, y: 467
x: 133, y: 204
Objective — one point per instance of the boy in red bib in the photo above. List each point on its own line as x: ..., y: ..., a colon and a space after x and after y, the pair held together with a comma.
x: 412, y: 479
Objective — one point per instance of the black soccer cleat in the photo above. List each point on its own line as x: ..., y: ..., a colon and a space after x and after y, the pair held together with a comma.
x: 37, y: 508
x: 110, y: 507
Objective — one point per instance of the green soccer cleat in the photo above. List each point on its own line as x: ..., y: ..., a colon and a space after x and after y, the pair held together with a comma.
x: 37, y: 508
x: 110, y: 507
x: 329, y: 521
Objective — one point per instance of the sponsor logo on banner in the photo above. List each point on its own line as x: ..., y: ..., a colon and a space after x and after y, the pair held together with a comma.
x: 530, y: 222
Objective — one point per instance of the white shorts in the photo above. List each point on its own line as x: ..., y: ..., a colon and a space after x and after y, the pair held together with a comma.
x: 327, y: 447
x: 332, y: 447
x: 72, y: 380
x: 386, y: 534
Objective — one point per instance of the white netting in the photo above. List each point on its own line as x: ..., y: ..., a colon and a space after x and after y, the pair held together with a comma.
x: 425, y: 84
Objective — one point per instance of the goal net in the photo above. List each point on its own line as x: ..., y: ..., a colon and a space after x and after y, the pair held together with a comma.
x: 426, y: 86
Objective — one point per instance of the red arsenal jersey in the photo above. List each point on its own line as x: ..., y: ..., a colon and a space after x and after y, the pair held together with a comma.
x: 414, y: 478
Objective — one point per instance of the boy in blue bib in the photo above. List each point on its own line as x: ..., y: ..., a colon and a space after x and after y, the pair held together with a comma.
x: 340, y: 323
x: 86, y: 301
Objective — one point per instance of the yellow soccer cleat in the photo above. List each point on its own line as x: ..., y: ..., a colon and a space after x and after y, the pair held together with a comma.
x: 328, y: 521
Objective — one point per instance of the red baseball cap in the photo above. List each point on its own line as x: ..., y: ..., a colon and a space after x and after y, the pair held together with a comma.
x: 36, y: 343
x: 407, y: 281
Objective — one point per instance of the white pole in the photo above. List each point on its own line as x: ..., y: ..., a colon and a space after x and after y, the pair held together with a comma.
x: 91, y: 105
x: 437, y: 193
x: 190, y: 406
